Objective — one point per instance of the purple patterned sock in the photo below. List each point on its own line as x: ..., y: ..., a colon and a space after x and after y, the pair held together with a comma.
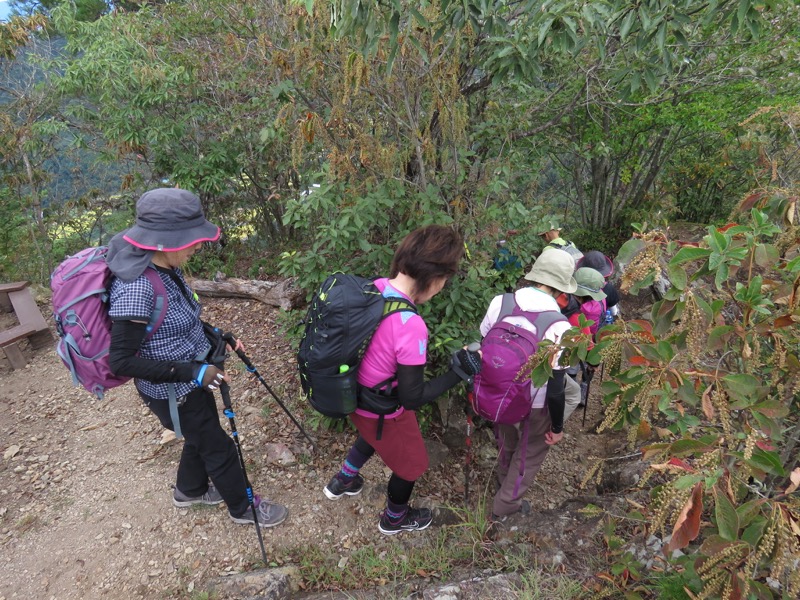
x: 395, y: 512
x: 352, y: 465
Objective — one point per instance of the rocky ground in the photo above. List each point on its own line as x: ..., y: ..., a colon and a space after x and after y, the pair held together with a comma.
x: 85, y: 509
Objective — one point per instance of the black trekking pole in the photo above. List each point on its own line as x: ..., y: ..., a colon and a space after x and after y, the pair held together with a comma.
x: 585, y: 396
x: 231, y: 340
x: 225, y: 390
x: 469, y: 411
x: 588, y: 375
x: 468, y: 441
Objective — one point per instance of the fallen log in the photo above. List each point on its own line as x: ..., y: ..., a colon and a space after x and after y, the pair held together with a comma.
x: 284, y: 294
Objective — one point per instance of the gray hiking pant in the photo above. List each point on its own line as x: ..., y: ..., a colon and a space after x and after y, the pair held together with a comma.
x: 512, y: 487
x: 572, y: 396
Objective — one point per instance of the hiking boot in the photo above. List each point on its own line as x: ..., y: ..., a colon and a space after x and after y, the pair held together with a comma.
x: 181, y: 500
x: 416, y: 519
x: 269, y: 514
x: 336, y: 488
x: 524, y: 510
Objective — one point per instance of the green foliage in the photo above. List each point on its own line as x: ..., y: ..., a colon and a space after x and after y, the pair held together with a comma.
x: 715, y: 374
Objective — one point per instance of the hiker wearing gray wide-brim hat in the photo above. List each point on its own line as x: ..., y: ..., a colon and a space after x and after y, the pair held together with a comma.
x: 167, y: 220
x: 170, y: 219
x: 554, y: 269
x: 173, y: 363
x: 590, y: 283
x: 594, y: 259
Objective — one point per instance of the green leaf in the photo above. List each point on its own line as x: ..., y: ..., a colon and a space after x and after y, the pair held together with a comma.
x: 688, y: 253
x: 651, y: 79
x: 544, y: 30
x: 766, y: 255
x: 686, y: 481
x: 768, y: 461
x: 677, y: 276
x: 688, y: 446
x: 747, y: 512
x: 774, y: 409
x: 721, y: 276
x: 753, y: 534
x: 716, y: 339
x: 418, y: 17
x: 626, y: 25
x: 661, y: 36
x: 741, y: 386
x: 630, y: 249
x: 727, y: 519
x: 744, y: 8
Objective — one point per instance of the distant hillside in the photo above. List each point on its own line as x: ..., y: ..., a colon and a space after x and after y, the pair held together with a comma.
x: 75, y: 171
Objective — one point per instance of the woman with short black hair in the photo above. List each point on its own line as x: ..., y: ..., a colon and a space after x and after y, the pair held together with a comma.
x: 392, y: 382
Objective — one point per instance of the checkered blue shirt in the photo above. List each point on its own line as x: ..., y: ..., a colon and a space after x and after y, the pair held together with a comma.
x: 179, y: 338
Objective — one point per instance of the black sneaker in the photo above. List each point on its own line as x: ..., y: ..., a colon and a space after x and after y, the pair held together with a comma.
x: 336, y: 488
x: 416, y: 519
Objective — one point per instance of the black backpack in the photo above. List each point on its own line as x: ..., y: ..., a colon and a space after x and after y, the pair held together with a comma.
x: 339, y: 325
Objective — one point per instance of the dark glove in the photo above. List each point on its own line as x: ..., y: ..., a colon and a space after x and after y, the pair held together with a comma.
x: 466, y: 364
x: 208, y: 377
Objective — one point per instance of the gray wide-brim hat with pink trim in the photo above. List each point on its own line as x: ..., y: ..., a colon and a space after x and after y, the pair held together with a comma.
x: 594, y: 259
x: 167, y: 219
x: 170, y: 219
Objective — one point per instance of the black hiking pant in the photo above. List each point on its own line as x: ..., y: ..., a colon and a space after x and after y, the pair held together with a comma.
x: 208, y: 451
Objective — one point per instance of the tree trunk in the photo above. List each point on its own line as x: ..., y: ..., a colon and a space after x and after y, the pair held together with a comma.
x: 283, y: 294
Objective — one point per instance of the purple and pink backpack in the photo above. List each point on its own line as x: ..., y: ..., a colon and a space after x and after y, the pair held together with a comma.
x: 80, y: 287
x: 500, y: 396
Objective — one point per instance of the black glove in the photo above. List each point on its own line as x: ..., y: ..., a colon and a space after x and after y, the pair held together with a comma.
x: 466, y: 364
x: 208, y: 376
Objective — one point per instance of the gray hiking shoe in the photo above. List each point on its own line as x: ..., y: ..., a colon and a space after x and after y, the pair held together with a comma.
x: 181, y: 500
x: 524, y: 511
x: 269, y: 514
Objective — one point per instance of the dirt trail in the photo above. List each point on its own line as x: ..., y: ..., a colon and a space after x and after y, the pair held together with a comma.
x: 85, y: 509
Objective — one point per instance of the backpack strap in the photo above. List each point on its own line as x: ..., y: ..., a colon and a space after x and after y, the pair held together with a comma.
x: 160, y: 305
x: 172, y: 399
x: 396, y: 304
x: 507, y: 305
x: 391, y: 306
x: 544, y: 320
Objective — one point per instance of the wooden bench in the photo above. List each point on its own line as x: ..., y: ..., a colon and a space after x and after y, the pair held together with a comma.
x: 17, y: 297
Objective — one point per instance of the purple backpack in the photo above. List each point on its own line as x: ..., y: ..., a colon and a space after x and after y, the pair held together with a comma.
x: 80, y: 287
x: 500, y: 396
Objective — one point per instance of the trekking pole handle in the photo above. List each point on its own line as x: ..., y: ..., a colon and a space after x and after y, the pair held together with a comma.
x: 225, y: 391
x: 233, y: 343
x: 473, y: 347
